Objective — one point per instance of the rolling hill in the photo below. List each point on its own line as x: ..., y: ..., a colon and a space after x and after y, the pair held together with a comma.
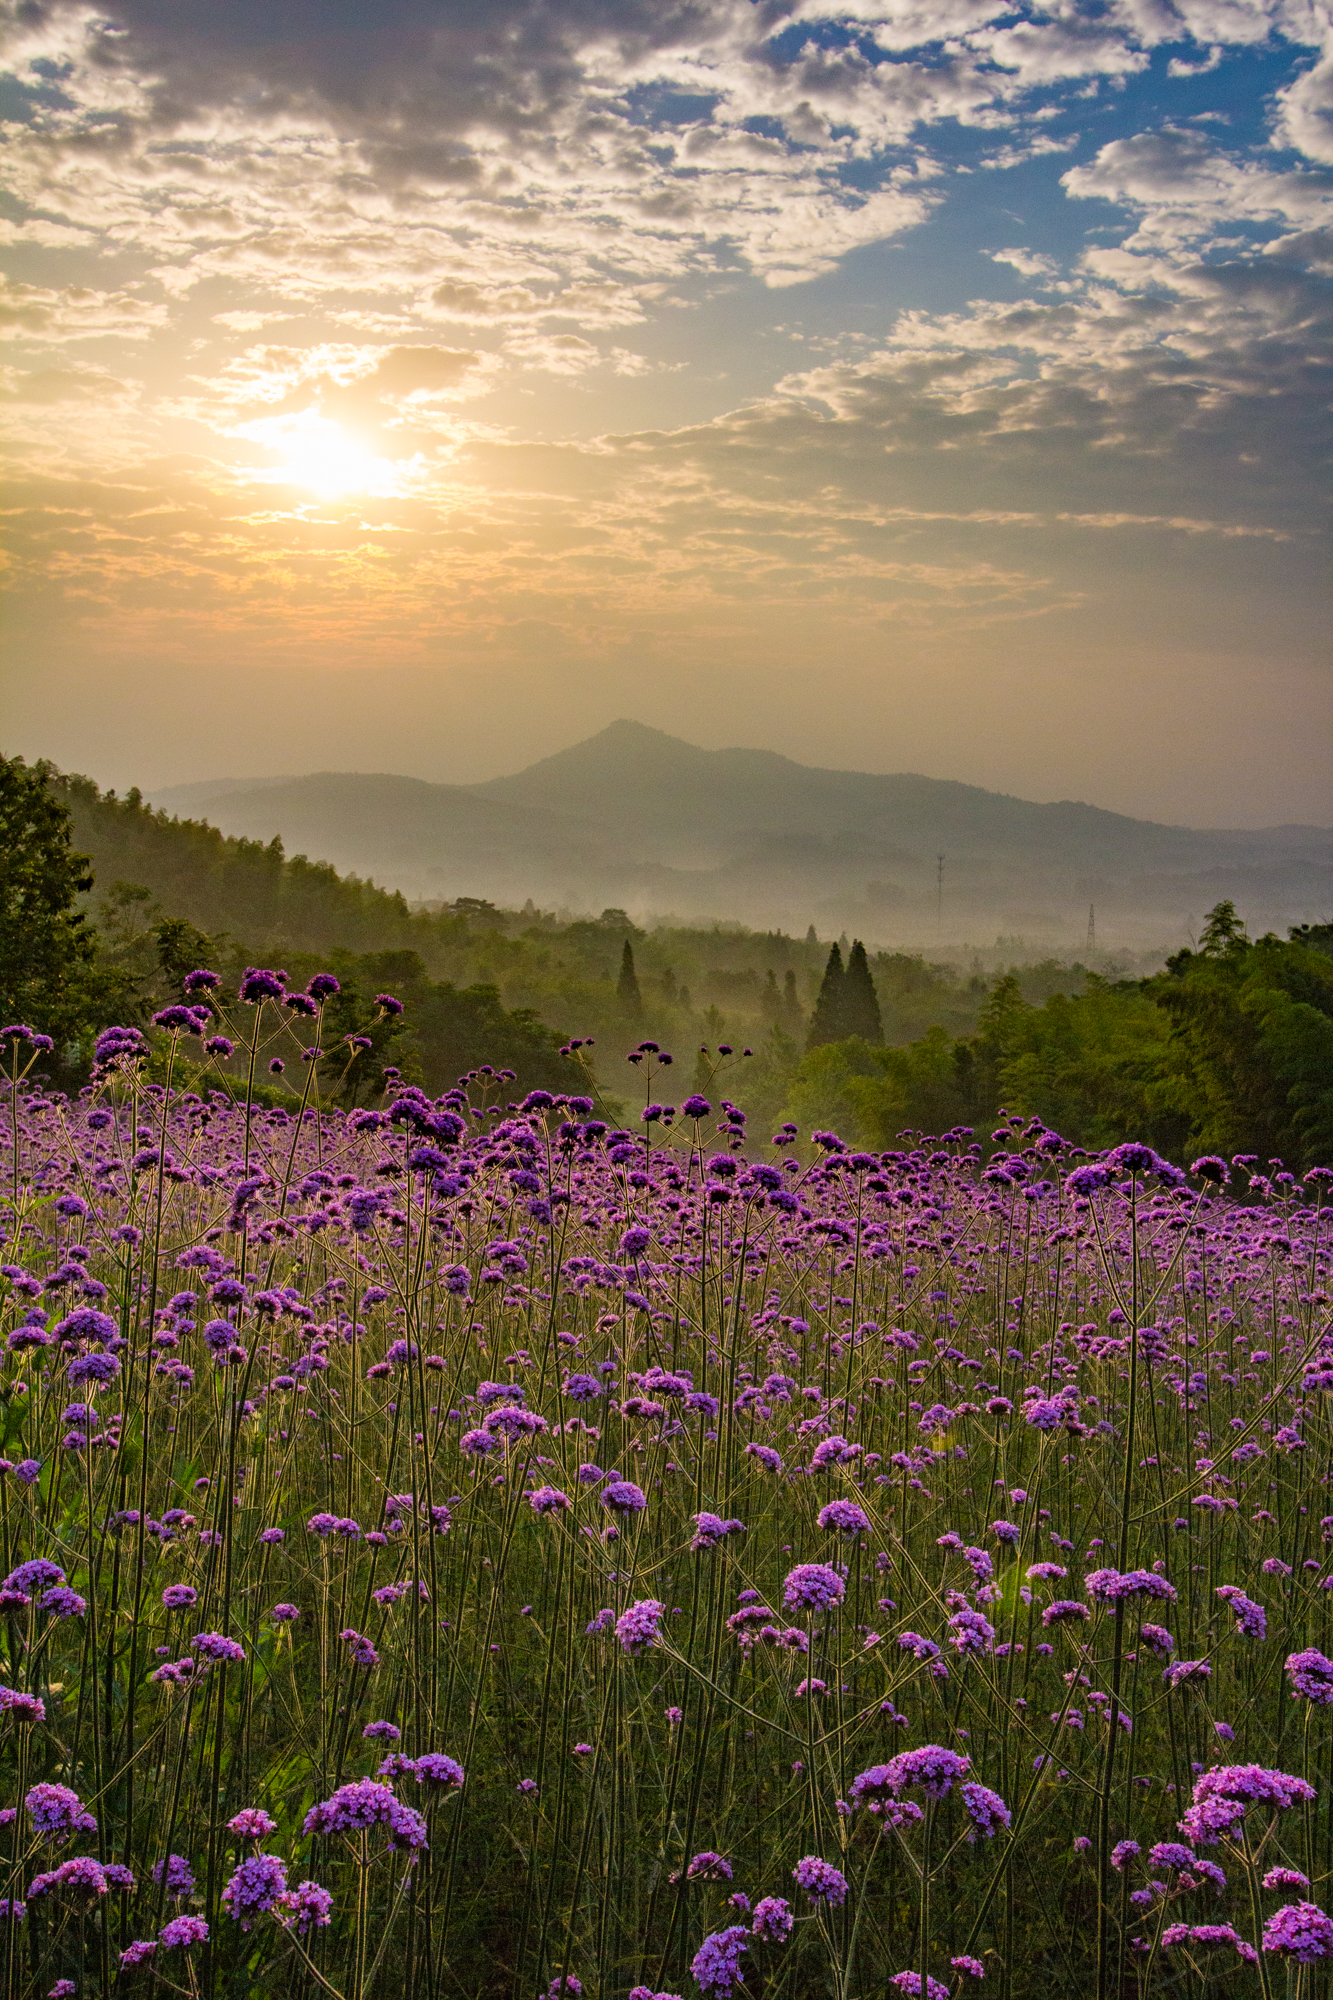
x: 641, y: 819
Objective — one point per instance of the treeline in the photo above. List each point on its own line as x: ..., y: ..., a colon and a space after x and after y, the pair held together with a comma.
x: 1228, y: 1050
x: 105, y: 903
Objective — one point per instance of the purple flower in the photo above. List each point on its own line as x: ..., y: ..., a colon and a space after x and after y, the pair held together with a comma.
x: 137, y: 1953
x: 363, y: 1804
x: 55, y: 1809
x: 1123, y: 1853
x: 932, y: 1768
x: 252, y: 1823
x: 255, y: 1887
x: 1063, y: 1611
x: 716, y: 1964
x: 62, y: 1602
x: 910, y: 1982
x: 1251, y: 1618
x: 986, y: 1809
x: 259, y: 984
x: 772, y: 1920
x: 812, y: 1587
x: 843, y: 1517
x: 822, y: 1882
x: 1286, y: 1878
x: 639, y: 1628
x: 23, y: 1707
x: 179, y: 1597
x: 441, y: 1773
x: 304, y: 1907
x: 708, y: 1867
x: 182, y: 1932
x: 622, y: 1496
x: 1201, y: 1936
x: 81, y: 1876
x: 216, y: 1646
x: 1187, y: 1673
x: 177, y: 1873
x: 548, y: 1500
x: 30, y: 1577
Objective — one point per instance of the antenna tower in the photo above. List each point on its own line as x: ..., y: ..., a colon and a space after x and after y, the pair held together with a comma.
x: 1092, y: 927
x: 939, y: 893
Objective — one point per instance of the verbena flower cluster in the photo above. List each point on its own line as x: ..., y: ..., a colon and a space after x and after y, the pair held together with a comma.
x: 460, y: 1533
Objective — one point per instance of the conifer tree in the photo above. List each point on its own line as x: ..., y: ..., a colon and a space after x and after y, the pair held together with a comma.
x: 860, y: 1007
x: 827, y: 1022
x: 627, y: 986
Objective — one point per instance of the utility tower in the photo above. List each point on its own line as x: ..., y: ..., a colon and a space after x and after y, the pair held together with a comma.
x: 1092, y: 927
x: 939, y: 895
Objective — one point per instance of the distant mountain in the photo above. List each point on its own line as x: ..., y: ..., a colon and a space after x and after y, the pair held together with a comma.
x: 641, y: 819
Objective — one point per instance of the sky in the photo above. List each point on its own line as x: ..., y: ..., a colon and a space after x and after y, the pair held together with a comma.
x: 934, y: 385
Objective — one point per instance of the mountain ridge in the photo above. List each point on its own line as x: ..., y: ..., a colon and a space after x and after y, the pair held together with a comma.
x: 633, y: 815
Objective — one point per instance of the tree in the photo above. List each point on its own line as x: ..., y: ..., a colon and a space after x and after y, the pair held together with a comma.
x: 826, y: 1022
x: 627, y: 986
x: 860, y: 1008
x: 46, y: 950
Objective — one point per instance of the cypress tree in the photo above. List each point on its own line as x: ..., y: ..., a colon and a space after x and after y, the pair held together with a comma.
x: 860, y: 1008
x: 827, y: 1022
x: 627, y: 986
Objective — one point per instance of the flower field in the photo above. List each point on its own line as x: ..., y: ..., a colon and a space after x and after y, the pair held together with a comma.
x: 466, y: 1548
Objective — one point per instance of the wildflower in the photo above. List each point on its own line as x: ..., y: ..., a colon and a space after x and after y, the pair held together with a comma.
x: 80, y: 1877
x: 1286, y: 1878
x: 716, y: 1964
x: 23, y: 1707
x: 382, y: 1732
x: 255, y: 1887
x: 216, y: 1646
x: 439, y: 1772
x: 252, y: 1823
x: 182, y: 1932
x: 708, y: 1867
x: 1300, y: 1931
x: 176, y: 1873
x: 1310, y: 1674
x: 622, y: 1496
x: 639, y: 1628
x: 363, y: 1804
x: 772, y: 1920
x: 910, y: 1982
x: 844, y: 1517
x: 822, y: 1882
x: 548, y: 1500
x: 305, y: 1907
x: 1251, y: 1619
x: 1202, y: 1936
x: 812, y: 1587
x: 55, y: 1809
x: 973, y: 1967
x: 179, y: 1597
x: 986, y: 1810
x: 1064, y: 1611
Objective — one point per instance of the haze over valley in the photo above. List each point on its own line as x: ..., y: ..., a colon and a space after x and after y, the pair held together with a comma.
x: 642, y: 820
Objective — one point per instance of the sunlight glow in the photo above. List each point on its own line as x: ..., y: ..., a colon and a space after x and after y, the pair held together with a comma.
x: 318, y: 453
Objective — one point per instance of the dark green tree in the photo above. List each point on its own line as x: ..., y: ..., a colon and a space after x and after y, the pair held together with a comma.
x: 826, y: 1023
x: 627, y: 986
x: 46, y: 949
x: 1250, y: 1063
x: 860, y: 1008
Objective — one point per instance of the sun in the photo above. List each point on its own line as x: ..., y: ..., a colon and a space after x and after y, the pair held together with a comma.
x: 317, y: 453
